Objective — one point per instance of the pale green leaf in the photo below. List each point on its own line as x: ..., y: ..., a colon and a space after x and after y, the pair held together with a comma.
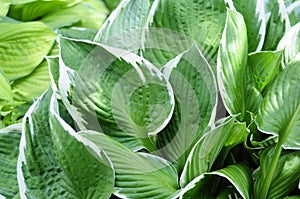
x: 195, y: 93
x: 4, y: 7
x: 279, y: 113
x: 294, y: 12
x: 290, y: 43
x: 138, y: 175
x: 9, y: 145
x: 32, y: 86
x: 238, y: 175
x: 32, y: 10
x: 255, y: 19
x: 115, y: 91
x: 53, y: 162
x: 5, y: 89
x: 23, y: 47
x: 53, y: 70
x: 207, y: 149
x: 78, y: 33
x: 232, y: 60
x: 266, y: 66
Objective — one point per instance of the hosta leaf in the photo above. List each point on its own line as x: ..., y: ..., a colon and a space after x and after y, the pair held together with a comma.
x: 54, y: 163
x: 277, y: 25
x: 232, y: 63
x: 32, y: 86
x: 238, y: 175
x: 255, y: 19
x: 89, y: 14
x: 5, y: 89
x: 32, y: 10
x: 53, y: 64
x: 195, y: 92
x: 266, y: 66
x: 78, y: 33
x: 290, y: 43
x: 23, y: 46
x: 9, y: 145
x: 294, y: 12
x: 206, y: 150
x: 163, y: 29
x: 279, y: 113
x: 138, y: 175
x: 285, y: 177
x: 4, y: 7
x: 114, y: 90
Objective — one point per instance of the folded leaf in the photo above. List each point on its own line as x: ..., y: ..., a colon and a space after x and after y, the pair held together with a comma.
x: 5, y: 89
x: 53, y: 162
x: 194, y: 86
x: 23, y: 47
x: 266, y: 66
x: 115, y: 91
x: 207, y: 149
x: 238, y: 175
x: 290, y: 43
x: 138, y: 175
x: 232, y: 60
x: 9, y: 145
x: 4, y: 7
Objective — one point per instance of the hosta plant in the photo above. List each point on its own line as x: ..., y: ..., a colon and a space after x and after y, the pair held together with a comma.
x: 170, y: 99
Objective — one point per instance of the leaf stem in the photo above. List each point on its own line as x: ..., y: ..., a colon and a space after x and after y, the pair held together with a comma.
x: 271, y: 170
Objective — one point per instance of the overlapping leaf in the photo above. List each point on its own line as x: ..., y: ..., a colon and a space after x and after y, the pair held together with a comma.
x: 114, y: 90
x: 138, y: 175
x: 195, y: 92
x: 54, y: 163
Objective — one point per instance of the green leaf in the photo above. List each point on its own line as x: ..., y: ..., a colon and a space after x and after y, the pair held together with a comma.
x: 277, y: 25
x: 294, y: 12
x: 266, y: 66
x: 195, y: 91
x: 32, y: 10
x: 53, y: 64
x: 115, y: 91
x: 232, y: 60
x: 279, y: 113
x: 4, y: 7
x: 254, y: 16
x: 5, y: 89
x: 238, y: 175
x: 290, y: 43
x: 53, y: 162
x: 164, y: 29
x: 9, y: 145
x: 78, y: 33
x: 23, y: 47
x: 138, y: 175
x: 111, y: 4
x: 285, y: 177
x: 207, y: 149
x: 89, y: 14
x: 32, y: 86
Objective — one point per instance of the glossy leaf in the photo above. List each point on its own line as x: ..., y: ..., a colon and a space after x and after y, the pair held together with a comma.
x: 266, y: 66
x: 195, y: 92
x: 279, y: 113
x: 285, y: 177
x: 9, y: 145
x: 54, y: 163
x: 238, y: 175
x: 255, y: 20
x: 23, y: 46
x: 232, y: 60
x: 290, y: 43
x: 114, y: 90
x: 207, y: 149
x: 138, y: 175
